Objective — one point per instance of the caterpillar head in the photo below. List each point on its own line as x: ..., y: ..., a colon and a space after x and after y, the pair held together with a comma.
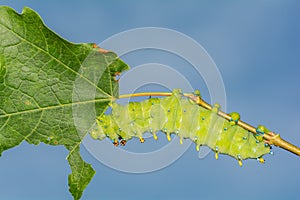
x: 98, y: 132
x: 103, y: 121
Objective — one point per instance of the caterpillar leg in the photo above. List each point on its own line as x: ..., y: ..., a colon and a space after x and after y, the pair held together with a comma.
x: 240, y: 163
x: 217, y: 155
x: 198, y: 147
x: 123, y: 142
x: 116, y: 143
x: 142, y: 140
x: 155, y: 136
x: 261, y: 160
x: 168, y: 137
x: 180, y: 140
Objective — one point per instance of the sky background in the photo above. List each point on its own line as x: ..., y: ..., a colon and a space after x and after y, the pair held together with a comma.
x: 256, y: 46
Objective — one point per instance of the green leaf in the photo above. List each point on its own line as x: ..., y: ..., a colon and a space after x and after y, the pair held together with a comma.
x: 50, y: 89
x: 82, y: 174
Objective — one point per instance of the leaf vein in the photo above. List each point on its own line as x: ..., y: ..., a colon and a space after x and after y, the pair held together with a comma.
x: 53, y: 107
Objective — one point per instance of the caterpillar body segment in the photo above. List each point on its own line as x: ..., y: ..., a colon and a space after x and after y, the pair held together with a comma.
x: 179, y: 115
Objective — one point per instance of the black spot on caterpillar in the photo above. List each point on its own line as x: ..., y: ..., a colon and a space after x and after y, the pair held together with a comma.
x: 179, y: 115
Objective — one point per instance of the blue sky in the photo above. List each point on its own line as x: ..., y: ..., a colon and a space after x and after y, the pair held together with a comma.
x: 256, y: 46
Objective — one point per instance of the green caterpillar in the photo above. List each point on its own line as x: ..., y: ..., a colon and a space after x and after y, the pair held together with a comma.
x: 179, y: 115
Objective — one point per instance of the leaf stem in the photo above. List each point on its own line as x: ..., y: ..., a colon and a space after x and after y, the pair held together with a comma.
x: 270, y: 137
x: 143, y: 94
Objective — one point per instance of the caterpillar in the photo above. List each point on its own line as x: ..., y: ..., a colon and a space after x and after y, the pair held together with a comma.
x: 179, y: 115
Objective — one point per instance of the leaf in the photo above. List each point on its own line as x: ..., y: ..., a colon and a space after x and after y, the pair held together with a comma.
x: 51, y: 89
x: 81, y: 176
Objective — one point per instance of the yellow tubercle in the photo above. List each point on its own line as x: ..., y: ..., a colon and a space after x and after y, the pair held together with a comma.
x: 232, y: 123
x: 155, y: 136
x: 217, y: 155
x: 240, y: 163
x: 197, y: 147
